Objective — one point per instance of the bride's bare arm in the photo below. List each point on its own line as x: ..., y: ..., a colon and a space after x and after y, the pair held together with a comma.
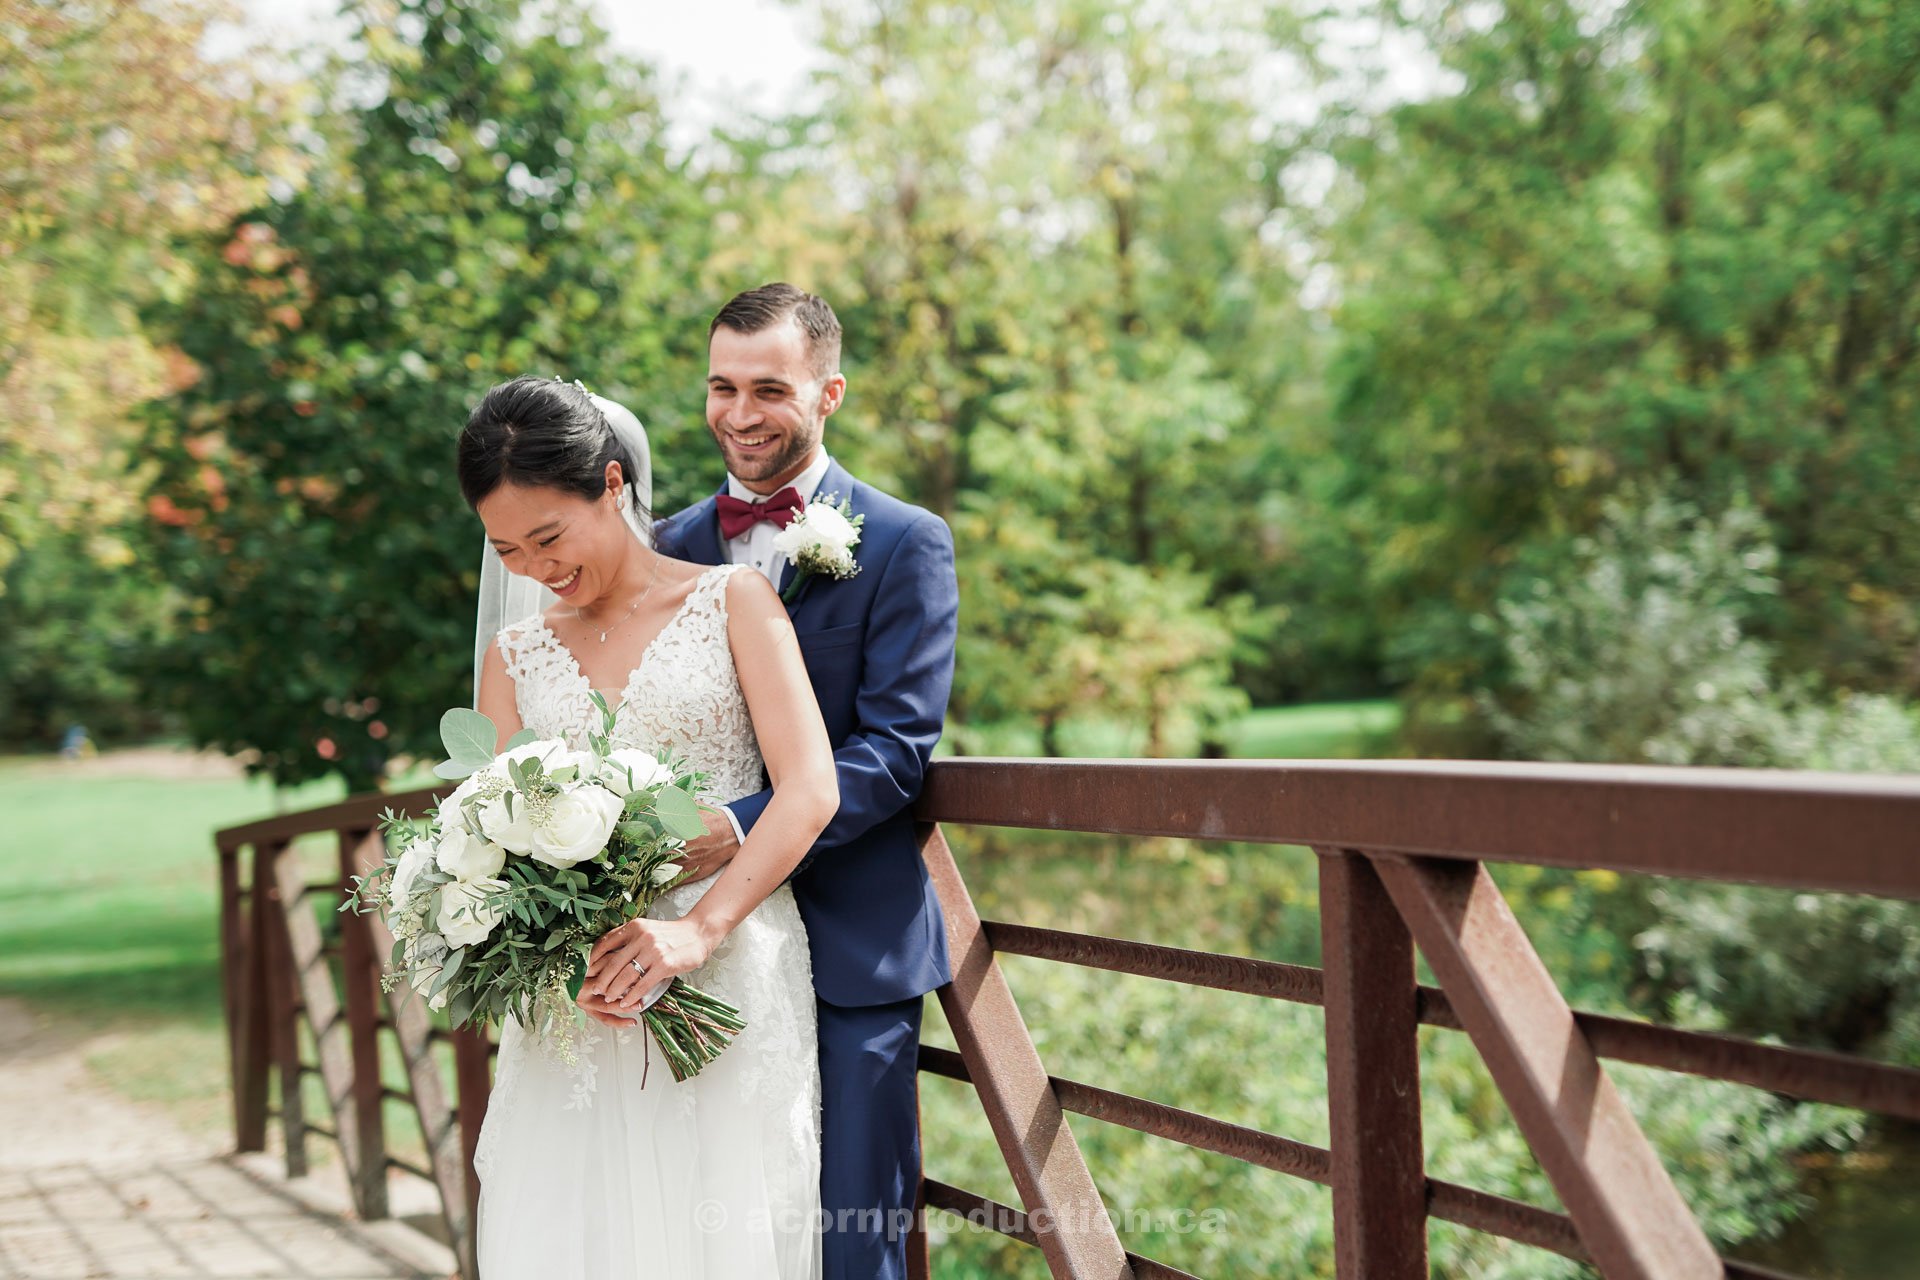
x: 799, y: 756
x: 496, y: 697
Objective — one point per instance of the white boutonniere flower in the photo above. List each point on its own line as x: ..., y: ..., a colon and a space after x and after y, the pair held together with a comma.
x: 820, y: 540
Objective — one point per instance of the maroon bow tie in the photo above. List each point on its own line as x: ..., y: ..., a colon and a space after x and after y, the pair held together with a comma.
x: 736, y: 517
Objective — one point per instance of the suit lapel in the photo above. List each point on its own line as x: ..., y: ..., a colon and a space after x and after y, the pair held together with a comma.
x: 836, y: 484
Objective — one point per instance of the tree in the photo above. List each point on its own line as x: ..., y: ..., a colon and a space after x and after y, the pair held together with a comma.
x: 1061, y: 291
x: 1668, y: 237
x: 504, y: 205
x: 118, y: 134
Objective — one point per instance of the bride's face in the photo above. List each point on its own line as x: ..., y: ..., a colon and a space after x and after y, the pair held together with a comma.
x: 575, y: 546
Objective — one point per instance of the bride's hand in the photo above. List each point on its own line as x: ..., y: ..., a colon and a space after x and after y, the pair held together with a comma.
x: 664, y: 948
x: 598, y: 1010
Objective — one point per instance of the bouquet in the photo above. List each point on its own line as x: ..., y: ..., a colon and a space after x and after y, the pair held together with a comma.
x: 495, y: 900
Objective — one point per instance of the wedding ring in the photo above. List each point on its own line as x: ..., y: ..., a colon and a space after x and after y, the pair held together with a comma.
x: 638, y: 967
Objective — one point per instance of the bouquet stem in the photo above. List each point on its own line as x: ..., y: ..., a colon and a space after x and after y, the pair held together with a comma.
x: 691, y: 1027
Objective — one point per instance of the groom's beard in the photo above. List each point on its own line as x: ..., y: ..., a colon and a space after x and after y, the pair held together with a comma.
x: 791, y: 456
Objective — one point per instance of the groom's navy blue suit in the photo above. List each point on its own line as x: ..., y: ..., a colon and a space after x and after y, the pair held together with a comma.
x: 879, y: 651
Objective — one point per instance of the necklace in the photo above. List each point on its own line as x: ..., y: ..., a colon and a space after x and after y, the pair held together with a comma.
x: 630, y: 608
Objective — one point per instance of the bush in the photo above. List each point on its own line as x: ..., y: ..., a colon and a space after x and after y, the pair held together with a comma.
x: 1642, y: 649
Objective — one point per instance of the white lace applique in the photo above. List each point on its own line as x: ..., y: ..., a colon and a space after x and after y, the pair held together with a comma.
x: 585, y: 1074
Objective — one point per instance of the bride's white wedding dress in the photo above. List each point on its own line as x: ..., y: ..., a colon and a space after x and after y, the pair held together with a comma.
x: 584, y: 1170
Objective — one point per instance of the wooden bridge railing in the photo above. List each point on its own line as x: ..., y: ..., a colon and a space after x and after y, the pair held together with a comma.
x: 1401, y: 849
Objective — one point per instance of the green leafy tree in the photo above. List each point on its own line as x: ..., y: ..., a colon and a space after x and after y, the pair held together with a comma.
x: 1666, y: 237
x: 505, y: 205
x: 118, y: 134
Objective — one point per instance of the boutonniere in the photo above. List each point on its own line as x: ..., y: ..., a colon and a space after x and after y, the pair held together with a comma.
x: 820, y: 540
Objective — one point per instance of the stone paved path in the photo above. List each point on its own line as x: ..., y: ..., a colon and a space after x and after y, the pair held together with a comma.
x: 94, y: 1185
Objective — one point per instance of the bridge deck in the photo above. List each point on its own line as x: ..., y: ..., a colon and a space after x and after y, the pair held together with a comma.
x: 93, y: 1184
x: 206, y: 1216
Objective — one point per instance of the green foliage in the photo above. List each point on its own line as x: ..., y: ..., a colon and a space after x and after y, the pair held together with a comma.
x: 1052, y: 633
x: 1631, y: 645
x: 1639, y: 649
x: 1671, y: 237
x: 80, y: 618
x: 89, y: 209
x: 505, y: 205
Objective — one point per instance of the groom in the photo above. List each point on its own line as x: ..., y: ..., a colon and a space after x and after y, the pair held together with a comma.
x: 879, y: 650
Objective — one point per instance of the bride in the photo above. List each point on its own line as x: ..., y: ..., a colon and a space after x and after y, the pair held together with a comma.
x: 605, y: 1166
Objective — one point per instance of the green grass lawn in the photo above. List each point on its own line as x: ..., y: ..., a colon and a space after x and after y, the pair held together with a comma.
x: 108, y: 916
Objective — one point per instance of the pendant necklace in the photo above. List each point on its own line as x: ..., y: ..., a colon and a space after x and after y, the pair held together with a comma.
x: 630, y: 608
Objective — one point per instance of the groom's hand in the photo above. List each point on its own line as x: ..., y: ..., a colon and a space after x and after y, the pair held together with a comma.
x: 712, y: 851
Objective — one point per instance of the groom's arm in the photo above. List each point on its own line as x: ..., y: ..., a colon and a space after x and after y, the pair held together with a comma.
x: 902, y: 701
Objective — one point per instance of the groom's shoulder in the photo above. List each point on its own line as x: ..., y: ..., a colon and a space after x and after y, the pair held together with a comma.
x: 881, y: 507
x: 891, y: 517
x: 674, y: 527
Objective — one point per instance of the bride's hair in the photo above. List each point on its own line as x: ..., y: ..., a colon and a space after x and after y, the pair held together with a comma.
x: 540, y: 432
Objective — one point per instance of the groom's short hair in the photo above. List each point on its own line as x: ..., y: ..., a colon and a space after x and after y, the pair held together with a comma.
x: 770, y: 304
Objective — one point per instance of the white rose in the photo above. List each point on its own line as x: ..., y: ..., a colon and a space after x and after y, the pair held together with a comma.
x: 545, y: 750
x: 821, y: 528
x: 414, y: 859
x: 465, y: 915
x: 628, y: 770
x: 511, y: 829
x: 452, y: 813
x: 577, y: 826
x: 465, y: 856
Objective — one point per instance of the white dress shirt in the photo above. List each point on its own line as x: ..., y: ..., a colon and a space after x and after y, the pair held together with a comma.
x: 755, y: 546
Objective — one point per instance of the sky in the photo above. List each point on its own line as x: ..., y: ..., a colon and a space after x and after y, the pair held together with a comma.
x: 736, y: 57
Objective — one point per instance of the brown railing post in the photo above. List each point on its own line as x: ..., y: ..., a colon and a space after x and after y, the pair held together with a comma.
x: 328, y: 1023
x: 360, y: 851
x: 1373, y: 1076
x: 449, y: 1136
x: 234, y: 963
x: 283, y: 1004
x: 252, y: 1047
x: 919, y: 1248
x: 1064, y: 1209
x: 1630, y: 1215
x: 473, y: 1075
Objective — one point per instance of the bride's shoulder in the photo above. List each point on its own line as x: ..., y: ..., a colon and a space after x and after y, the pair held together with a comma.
x: 521, y: 632
x: 745, y: 591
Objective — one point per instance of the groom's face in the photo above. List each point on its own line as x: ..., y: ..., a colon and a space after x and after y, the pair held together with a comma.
x: 766, y: 405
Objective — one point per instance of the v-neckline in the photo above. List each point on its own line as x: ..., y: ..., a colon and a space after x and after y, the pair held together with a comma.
x: 626, y: 688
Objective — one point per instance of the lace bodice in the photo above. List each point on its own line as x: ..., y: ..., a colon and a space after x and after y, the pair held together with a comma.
x: 684, y: 694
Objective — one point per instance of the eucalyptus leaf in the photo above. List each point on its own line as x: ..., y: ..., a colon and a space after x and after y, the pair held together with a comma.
x: 522, y: 738
x: 454, y: 769
x: 641, y: 829
x: 679, y: 814
x: 468, y: 735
